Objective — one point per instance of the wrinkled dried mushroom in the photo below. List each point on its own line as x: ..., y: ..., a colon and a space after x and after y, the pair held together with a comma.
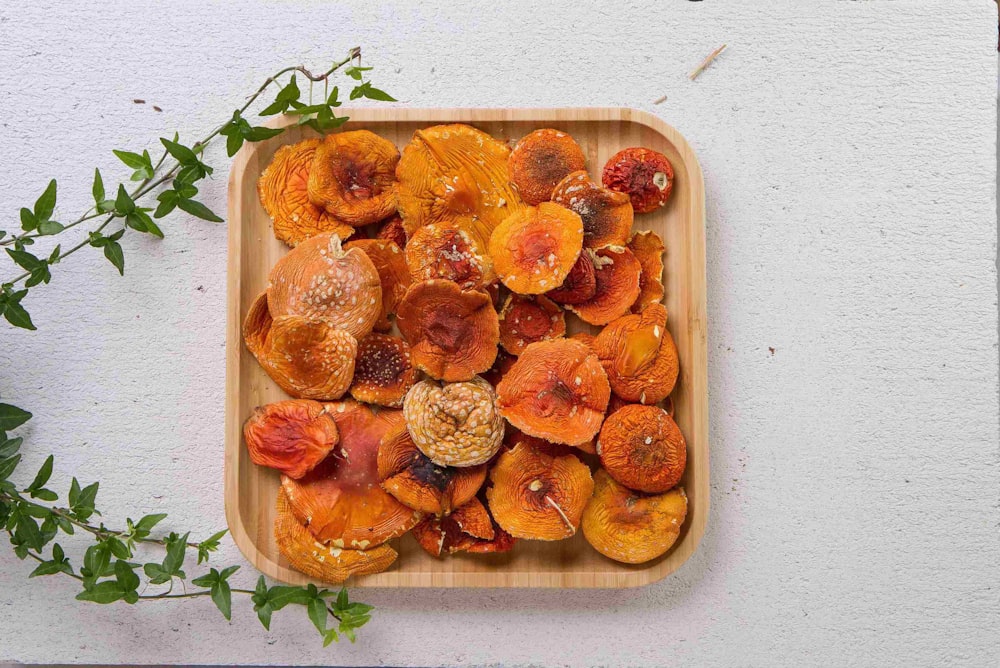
x: 353, y: 176
x: 648, y: 249
x: 309, y: 358
x: 533, y: 250
x: 392, y: 230
x: 383, y: 371
x: 580, y: 284
x: 454, y: 424
x: 393, y: 274
x: 445, y: 250
x: 540, y: 160
x: 257, y: 324
x: 606, y: 214
x: 643, y: 174
x: 527, y: 319
x: 468, y: 526
x: 617, y: 275
x: 643, y: 448
x: 290, y: 436
x: 639, y: 355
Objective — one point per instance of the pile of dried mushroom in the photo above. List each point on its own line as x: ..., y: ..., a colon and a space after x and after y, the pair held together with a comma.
x: 481, y: 422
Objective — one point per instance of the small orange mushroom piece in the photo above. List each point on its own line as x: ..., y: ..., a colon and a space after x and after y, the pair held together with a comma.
x: 607, y: 215
x: 393, y: 274
x: 617, y: 274
x: 353, y: 177
x: 319, y: 560
x: 257, y: 324
x: 585, y: 338
x: 290, y: 436
x: 556, y: 390
x: 309, y: 358
x: 383, y: 371
x: 645, y: 175
x: 454, y: 424
x: 639, y: 356
x: 648, y: 248
x: 446, y: 250
x: 534, y: 250
x: 340, y: 501
x: 468, y: 526
x: 319, y: 279
x: 579, y: 285
x: 643, y: 448
x: 453, y: 333
x: 283, y: 191
x: 416, y: 481
x: 392, y: 230
x: 525, y: 320
x: 631, y: 527
x: 536, y: 495
x: 542, y: 159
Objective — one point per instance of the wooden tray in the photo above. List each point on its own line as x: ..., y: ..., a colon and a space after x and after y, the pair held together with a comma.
x: 253, y: 250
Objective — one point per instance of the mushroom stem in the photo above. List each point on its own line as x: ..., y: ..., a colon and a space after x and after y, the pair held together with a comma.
x: 559, y: 510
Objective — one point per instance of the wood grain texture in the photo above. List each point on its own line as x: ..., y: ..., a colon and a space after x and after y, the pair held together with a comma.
x: 250, y: 490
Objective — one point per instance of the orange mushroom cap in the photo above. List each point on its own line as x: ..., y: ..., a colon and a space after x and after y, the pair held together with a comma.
x: 630, y: 527
x: 341, y: 501
x: 257, y: 324
x: 393, y: 274
x: 535, y: 495
x: 453, y: 333
x: 309, y: 358
x: 643, y: 448
x: 643, y: 174
x: 283, y: 192
x: 556, y: 390
x: 392, y: 230
x: 525, y: 320
x: 617, y: 286
x: 579, y: 285
x: 585, y: 338
x: 468, y: 526
x: 648, y: 248
x: 533, y: 250
x: 353, y: 176
x: 540, y: 160
x: 454, y: 424
x: 501, y: 366
x: 639, y: 355
x: 383, y: 370
x: 290, y: 436
x: 446, y: 250
x: 607, y: 215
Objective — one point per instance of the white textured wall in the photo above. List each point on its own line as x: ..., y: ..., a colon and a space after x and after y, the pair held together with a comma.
x: 848, y: 150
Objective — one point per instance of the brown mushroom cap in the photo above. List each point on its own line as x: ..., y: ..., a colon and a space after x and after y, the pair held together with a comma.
x: 341, y: 501
x: 446, y: 250
x: 556, y: 390
x: 648, y: 248
x: 309, y: 358
x: 540, y: 160
x: 453, y: 333
x: 527, y: 319
x: 468, y: 526
x: 454, y: 424
x: 257, y: 324
x: 617, y: 287
x: 393, y: 274
x: 643, y: 448
x: 631, y: 527
x: 283, y: 192
x: 290, y: 436
x: 639, y: 355
x: 534, y: 249
x: 579, y: 285
x: 643, y: 174
x: 353, y: 176
x: 383, y: 370
x: 323, y: 562
x: 318, y: 279
x: 607, y: 215
x: 411, y: 477
x: 538, y: 496
x: 392, y: 229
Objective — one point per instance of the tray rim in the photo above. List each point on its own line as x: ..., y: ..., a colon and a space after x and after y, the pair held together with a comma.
x: 697, y: 326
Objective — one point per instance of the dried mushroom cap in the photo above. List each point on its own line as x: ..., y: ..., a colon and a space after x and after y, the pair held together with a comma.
x: 617, y: 278
x: 525, y: 320
x: 579, y: 285
x: 290, y: 436
x: 392, y: 230
x: 585, y: 338
x: 453, y: 333
x: 445, y: 250
x: 455, y: 173
x: 501, y: 366
x: 556, y: 390
x: 416, y: 481
x: 607, y: 215
x: 534, y: 249
x: 353, y: 176
x: 538, y: 496
x: 643, y: 174
x: 393, y: 273
x: 639, y: 356
x: 643, y: 448
x: 283, y: 191
x: 319, y: 279
x: 257, y: 324
x: 323, y: 562
x: 540, y: 160
x: 630, y: 527
x: 648, y: 248
x: 454, y: 424
x: 468, y: 526
x: 341, y: 501
x: 309, y: 358
x: 383, y: 370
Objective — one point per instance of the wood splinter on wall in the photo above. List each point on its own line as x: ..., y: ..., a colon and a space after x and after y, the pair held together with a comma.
x: 705, y: 63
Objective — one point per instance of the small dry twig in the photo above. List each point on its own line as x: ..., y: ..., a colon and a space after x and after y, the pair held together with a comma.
x: 705, y: 63
x: 663, y: 98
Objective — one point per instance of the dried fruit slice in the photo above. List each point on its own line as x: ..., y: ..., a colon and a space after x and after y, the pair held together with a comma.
x: 383, y: 371
x: 410, y: 476
x: 643, y: 448
x: 454, y: 424
x: 469, y: 526
x: 290, y: 436
x: 648, y: 249
x: 540, y: 160
x: 556, y: 390
x: 533, y: 250
x: 639, y: 355
x: 319, y: 279
x: 535, y: 495
x: 393, y: 274
x: 630, y: 527
x: 643, y: 174
x: 606, y: 214
x: 309, y: 358
x: 392, y: 230
x: 257, y: 324
x: 617, y: 286
x: 525, y: 320
x: 323, y: 562
x: 283, y: 192
x: 341, y: 501
x: 353, y: 177
x: 453, y: 333
x: 446, y: 250
x: 580, y: 284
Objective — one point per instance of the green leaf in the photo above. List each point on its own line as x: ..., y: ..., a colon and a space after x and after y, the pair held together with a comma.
x: 226, y: 572
x: 234, y: 142
x: 104, y: 593
x: 28, y: 532
x: 149, y: 521
x: 342, y: 599
x: 198, y: 209
x: 7, y: 466
x: 98, y: 188
x: 50, y: 227
x: 116, y: 256
x: 28, y: 220
x: 260, y: 133
x: 175, y: 554
x: 317, y: 613
x: 24, y: 259
x: 359, y: 609
x: 156, y: 574
x: 125, y: 576
x: 43, y: 474
x: 330, y: 637
x: 264, y: 615
x: 18, y: 316
x: 123, y: 203
x: 133, y: 160
x: 54, y: 255
x: 285, y: 97
x: 332, y: 99
x: 96, y: 560
x: 140, y: 221
x: 181, y: 153
x: 281, y: 595
x: 44, y: 495
x: 46, y: 568
x: 74, y: 492
x: 118, y: 548
x: 206, y: 580
x: 210, y: 544
x: 355, y: 72
x: 223, y: 598
x: 46, y: 202
x: 167, y: 201
x: 9, y: 447
x: 373, y: 93
x: 12, y: 417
